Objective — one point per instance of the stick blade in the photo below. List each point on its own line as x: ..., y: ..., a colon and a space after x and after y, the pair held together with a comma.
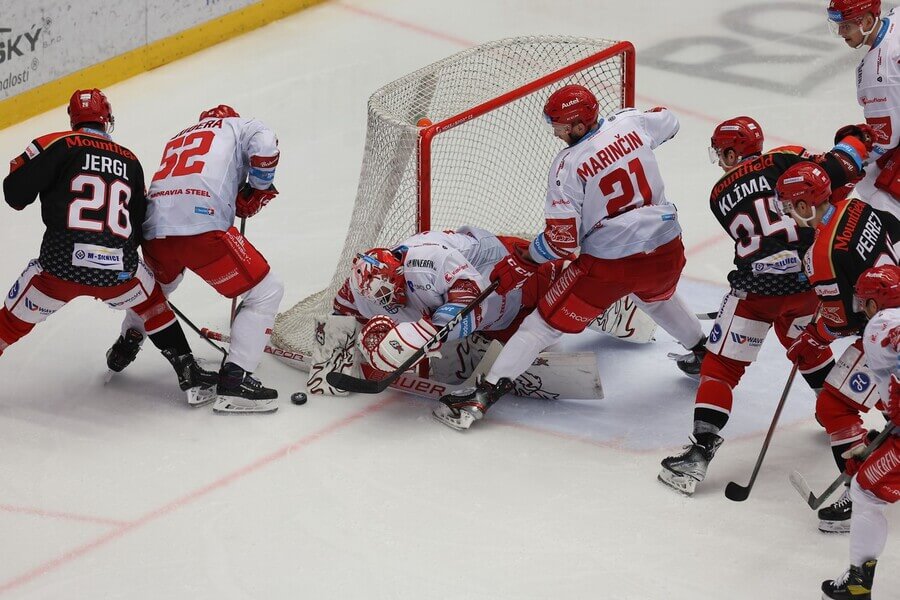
x: 802, y: 487
x: 345, y: 382
x: 736, y: 492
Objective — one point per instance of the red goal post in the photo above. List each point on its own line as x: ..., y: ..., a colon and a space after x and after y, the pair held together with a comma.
x: 482, y: 162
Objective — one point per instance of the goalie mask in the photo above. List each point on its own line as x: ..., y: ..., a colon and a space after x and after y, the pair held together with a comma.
x: 377, y: 275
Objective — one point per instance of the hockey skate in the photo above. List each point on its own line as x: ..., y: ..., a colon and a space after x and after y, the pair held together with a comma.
x: 835, y: 518
x: 198, y: 384
x: 690, y: 363
x: 123, y: 352
x: 239, y: 392
x: 854, y: 584
x: 458, y: 410
x: 684, y: 471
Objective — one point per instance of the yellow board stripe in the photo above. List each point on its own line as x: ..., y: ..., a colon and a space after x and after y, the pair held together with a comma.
x: 55, y: 93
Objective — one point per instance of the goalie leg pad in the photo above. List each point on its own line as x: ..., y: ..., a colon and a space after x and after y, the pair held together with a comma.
x: 334, y: 351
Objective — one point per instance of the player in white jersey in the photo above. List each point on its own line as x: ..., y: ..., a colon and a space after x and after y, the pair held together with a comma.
x: 877, y: 91
x: 406, y: 293
x: 876, y: 481
x: 210, y: 172
x: 605, y: 198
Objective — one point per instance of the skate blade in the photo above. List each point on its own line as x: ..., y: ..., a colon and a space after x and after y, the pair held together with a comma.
x: 444, y: 415
x: 234, y: 406
x: 682, y: 484
x: 198, y: 396
x: 834, y: 526
x: 107, y: 377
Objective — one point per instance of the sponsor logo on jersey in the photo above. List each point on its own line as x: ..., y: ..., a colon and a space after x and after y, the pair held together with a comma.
x: 123, y: 276
x: 830, y: 289
x: 561, y: 233
x: 866, y: 100
x: 421, y: 263
x: 97, y: 257
x: 739, y: 338
x: 560, y: 202
x: 204, y: 210
x: 859, y: 382
x: 129, y: 301
x: 448, y: 277
x: 264, y: 162
x: 13, y: 291
x: 32, y: 150
x: 785, y: 261
x: 716, y: 334
x: 30, y: 305
x: 833, y: 314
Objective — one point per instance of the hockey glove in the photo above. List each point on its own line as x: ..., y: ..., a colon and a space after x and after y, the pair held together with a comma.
x: 810, y: 348
x: 513, y: 271
x: 863, y: 132
x: 386, y: 346
x: 251, y: 200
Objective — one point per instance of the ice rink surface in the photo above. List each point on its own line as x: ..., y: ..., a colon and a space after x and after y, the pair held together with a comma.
x: 123, y: 492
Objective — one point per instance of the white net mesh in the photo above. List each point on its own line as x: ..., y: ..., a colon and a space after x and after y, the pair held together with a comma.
x: 489, y: 171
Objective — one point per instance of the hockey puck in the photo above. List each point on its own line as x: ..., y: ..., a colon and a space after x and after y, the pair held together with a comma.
x: 298, y: 398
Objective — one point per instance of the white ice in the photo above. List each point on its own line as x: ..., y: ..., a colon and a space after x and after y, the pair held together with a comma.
x: 122, y: 491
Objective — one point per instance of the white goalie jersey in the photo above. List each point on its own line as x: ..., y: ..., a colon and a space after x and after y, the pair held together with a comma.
x: 433, y: 263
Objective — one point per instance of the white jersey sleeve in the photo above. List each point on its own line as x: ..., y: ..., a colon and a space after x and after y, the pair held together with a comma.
x: 881, y: 344
x: 260, y: 145
x: 661, y: 125
x: 202, y: 169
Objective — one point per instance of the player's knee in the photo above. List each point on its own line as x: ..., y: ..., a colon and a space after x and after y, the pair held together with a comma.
x: 168, y: 288
x: 265, y: 296
x: 723, y: 369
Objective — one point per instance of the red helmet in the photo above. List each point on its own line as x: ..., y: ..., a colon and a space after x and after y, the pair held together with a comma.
x: 847, y: 10
x: 572, y: 104
x: 90, y: 106
x: 222, y: 111
x: 804, y: 181
x: 881, y: 284
x: 741, y: 134
x: 377, y: 275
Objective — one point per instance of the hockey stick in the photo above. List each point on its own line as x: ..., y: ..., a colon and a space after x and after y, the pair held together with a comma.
x: 739, y: 493
x: 342, y: 381
x: 234, y: 300
x: 198, y: 331
x: 814, y: 501
x: 708, y: 316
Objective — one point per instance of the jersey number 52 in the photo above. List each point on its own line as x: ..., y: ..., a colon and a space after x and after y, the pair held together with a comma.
x: 180, y: 157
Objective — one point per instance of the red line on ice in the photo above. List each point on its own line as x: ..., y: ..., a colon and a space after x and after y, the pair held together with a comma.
x: 222, y: 482
x: 38, y: 512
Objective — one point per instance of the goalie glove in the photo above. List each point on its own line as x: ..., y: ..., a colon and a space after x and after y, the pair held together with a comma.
x: 251, y: 200
x: 387, y: 345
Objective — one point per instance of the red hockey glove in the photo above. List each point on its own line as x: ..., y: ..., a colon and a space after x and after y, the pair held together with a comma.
x: 863, y: 132
x: 809, y: 348
x: 893, y: 403
x: 513, y: 271
x: 251, y: 200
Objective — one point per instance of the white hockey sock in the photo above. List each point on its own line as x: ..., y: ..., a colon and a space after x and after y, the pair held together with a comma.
x: 533, y: 336
x: 257, y: 315
x: 868, y: 527
x: 674, y: 316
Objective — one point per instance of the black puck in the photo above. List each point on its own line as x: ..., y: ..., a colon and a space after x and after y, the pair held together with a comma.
x: 298, y: 398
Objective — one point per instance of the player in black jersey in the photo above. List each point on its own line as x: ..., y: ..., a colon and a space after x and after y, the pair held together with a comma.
x: 768, y: 288
x: 92, y: 192
x: 851, y: 237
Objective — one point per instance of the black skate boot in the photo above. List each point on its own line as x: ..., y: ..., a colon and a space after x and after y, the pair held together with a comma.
x: 684, y: 471
x: 854, y: 584
x: 239, y: 392
x: 197, y: 383
x: 690, y: 363
x: 835, y: 518
x: 124, y: 350
x: 462, y: 408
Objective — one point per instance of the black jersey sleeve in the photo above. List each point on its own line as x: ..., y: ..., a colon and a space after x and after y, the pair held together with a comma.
x: 29, y: 174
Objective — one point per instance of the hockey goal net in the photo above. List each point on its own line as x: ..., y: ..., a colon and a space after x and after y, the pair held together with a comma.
x: 483, y: 161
